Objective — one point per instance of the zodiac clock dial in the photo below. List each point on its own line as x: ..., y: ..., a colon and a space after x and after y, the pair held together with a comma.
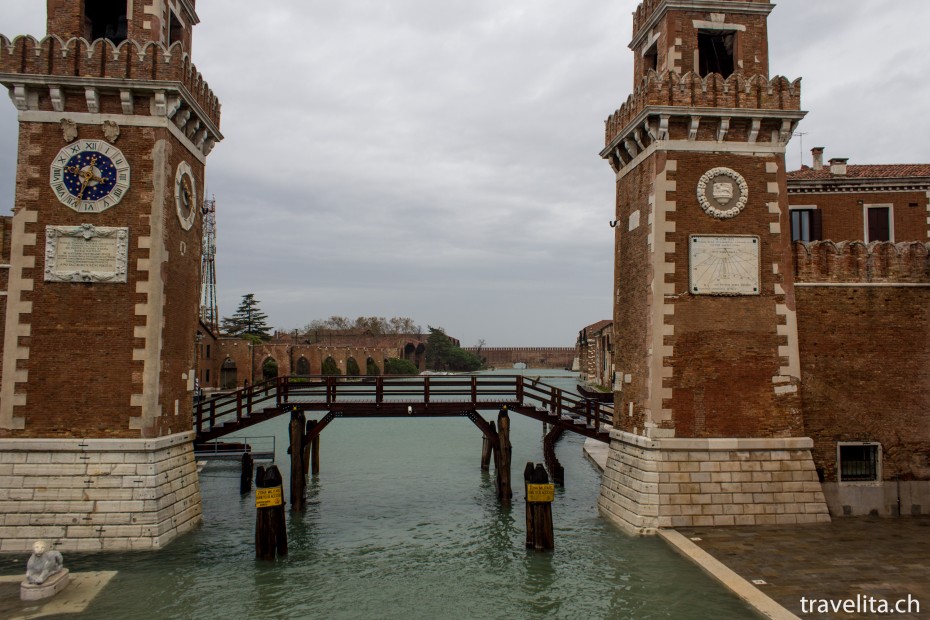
x: 90, y: 176
x: 185, y: 195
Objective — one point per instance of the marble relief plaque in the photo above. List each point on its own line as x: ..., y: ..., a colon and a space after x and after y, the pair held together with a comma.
x: 723, y: 265
x: 86, y: 253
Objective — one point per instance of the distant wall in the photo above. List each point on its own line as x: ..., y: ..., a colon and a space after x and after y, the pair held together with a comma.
x: 533, y: 357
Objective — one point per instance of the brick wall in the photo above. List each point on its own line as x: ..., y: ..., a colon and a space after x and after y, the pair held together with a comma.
x: 865, y: 351
x: 843, y: 212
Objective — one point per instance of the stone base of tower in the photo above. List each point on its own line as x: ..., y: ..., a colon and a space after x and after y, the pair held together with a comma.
x: 97, y: 494
x: 659, y: 483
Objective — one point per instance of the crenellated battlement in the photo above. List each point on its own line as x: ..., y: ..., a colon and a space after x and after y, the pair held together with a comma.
x: 857, y: 262
x: 101, y: 59
x: 737, y: 92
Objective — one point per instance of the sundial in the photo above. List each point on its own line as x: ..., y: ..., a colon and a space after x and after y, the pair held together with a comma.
x: 723, y: 265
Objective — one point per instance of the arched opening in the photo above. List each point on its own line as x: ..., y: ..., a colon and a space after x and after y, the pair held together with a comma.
x: 418, y: 357
x: 352, y: 368
x: 371, y: 367
x: 269, y: 369
x: 330, y: 367
x: 303, y: 367
x: 228, y: 380
x: 409, y: 350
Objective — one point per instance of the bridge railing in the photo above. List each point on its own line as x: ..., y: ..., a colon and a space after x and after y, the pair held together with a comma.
x: 327, y: 392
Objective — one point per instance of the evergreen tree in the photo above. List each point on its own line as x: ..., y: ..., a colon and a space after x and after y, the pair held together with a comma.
x: 247, y: 320
x: 443, y: 354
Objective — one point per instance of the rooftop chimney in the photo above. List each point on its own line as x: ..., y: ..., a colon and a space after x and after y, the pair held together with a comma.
x: 838, y: 166
x: 817, y: 152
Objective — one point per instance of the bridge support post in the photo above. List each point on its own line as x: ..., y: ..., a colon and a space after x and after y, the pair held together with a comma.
x: 245, y: 478
x: 552, y: 462
x: 502, y: 465
x: 487, y: 449
x: 296, y: 450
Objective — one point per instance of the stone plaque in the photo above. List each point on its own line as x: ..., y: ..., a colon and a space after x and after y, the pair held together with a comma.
x: 86, y: 253
x: 723, y: 265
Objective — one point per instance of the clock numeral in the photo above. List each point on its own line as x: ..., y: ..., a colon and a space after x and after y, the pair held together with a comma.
x: 118, y: 162
x: 59, y: 189
x: 118, y: 192
x: 90, y: 146
x: 123, y: 176
x: 56, y: 175
x: 62, y: 160
x: 76, y: 149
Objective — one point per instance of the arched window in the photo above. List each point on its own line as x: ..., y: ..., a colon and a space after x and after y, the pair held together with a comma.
x: 371, y: 367
x: 303, y: 367
x: 330, y: 367
x: 269, y: 369
x: 352, y: 368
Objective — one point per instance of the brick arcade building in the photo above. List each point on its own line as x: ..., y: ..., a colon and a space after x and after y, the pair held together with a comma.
x: 759, y: 374
x: 102, y: 278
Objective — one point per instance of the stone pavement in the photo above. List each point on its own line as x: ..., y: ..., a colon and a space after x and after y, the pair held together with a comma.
x: 871, y: 557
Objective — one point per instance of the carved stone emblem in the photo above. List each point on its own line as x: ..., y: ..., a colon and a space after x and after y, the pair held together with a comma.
x: 110, y: 131
x: 69, y: 130
x: 719, y: 188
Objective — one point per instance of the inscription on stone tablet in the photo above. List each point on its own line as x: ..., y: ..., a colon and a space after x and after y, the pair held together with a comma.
x: 724, y: 265
x: 86, y: 253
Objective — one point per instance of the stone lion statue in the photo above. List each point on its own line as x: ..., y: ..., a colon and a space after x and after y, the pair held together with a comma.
x: 43, y: 563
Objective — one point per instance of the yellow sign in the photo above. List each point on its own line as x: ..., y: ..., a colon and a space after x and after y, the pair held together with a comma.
x: 540, y: 492
x: 268, y: 498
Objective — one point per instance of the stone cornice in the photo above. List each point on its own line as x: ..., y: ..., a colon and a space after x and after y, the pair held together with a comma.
x: 843, y: 185
x: 641, y: 31
x: 171, y: 100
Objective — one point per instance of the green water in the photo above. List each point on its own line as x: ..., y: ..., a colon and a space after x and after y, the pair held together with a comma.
x: 402, y: 523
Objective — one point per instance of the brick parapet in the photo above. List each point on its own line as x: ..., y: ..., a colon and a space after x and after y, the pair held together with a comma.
x: 77, y: 58
x: 858, y: 262
x: 737, y: 93
x: 648, y: 9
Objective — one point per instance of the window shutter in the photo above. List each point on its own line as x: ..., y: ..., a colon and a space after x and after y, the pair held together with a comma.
x: 816, y: 225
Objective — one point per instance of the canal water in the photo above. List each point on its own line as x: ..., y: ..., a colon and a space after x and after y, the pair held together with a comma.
x: 402, y: 523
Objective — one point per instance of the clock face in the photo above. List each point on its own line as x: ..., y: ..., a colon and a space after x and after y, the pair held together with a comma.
x: 90, y: 176
x: 185, y: 195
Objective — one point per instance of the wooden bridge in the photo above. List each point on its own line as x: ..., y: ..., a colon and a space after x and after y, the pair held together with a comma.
x: 404, y: 396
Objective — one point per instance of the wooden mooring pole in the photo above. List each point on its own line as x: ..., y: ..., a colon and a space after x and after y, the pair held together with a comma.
x: 245, y: 478
x: 539, y: 496
x: 296, y: 450
x: 270, y: 525
x: 487, y: 448
x: 312, y: 450
x: 504, y: 491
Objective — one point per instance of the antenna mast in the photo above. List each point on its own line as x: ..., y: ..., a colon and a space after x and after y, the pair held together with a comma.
x: 209, y: 313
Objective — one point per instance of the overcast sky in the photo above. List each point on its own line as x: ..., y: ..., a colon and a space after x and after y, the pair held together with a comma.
x: 438, y: 159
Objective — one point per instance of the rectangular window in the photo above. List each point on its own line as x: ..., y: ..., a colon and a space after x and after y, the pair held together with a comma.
x: 651, y: 58
x: 859, y: 462
x: 106, y: 19
x: 208, y: 351
x: 206, y: 378
x: 878, y: 224
x: 806, y: 225
x: 715, y: 52
x: 175, y: 30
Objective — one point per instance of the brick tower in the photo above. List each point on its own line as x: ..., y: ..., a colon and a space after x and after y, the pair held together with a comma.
x: 708, y: 415
x: 102, y: 281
